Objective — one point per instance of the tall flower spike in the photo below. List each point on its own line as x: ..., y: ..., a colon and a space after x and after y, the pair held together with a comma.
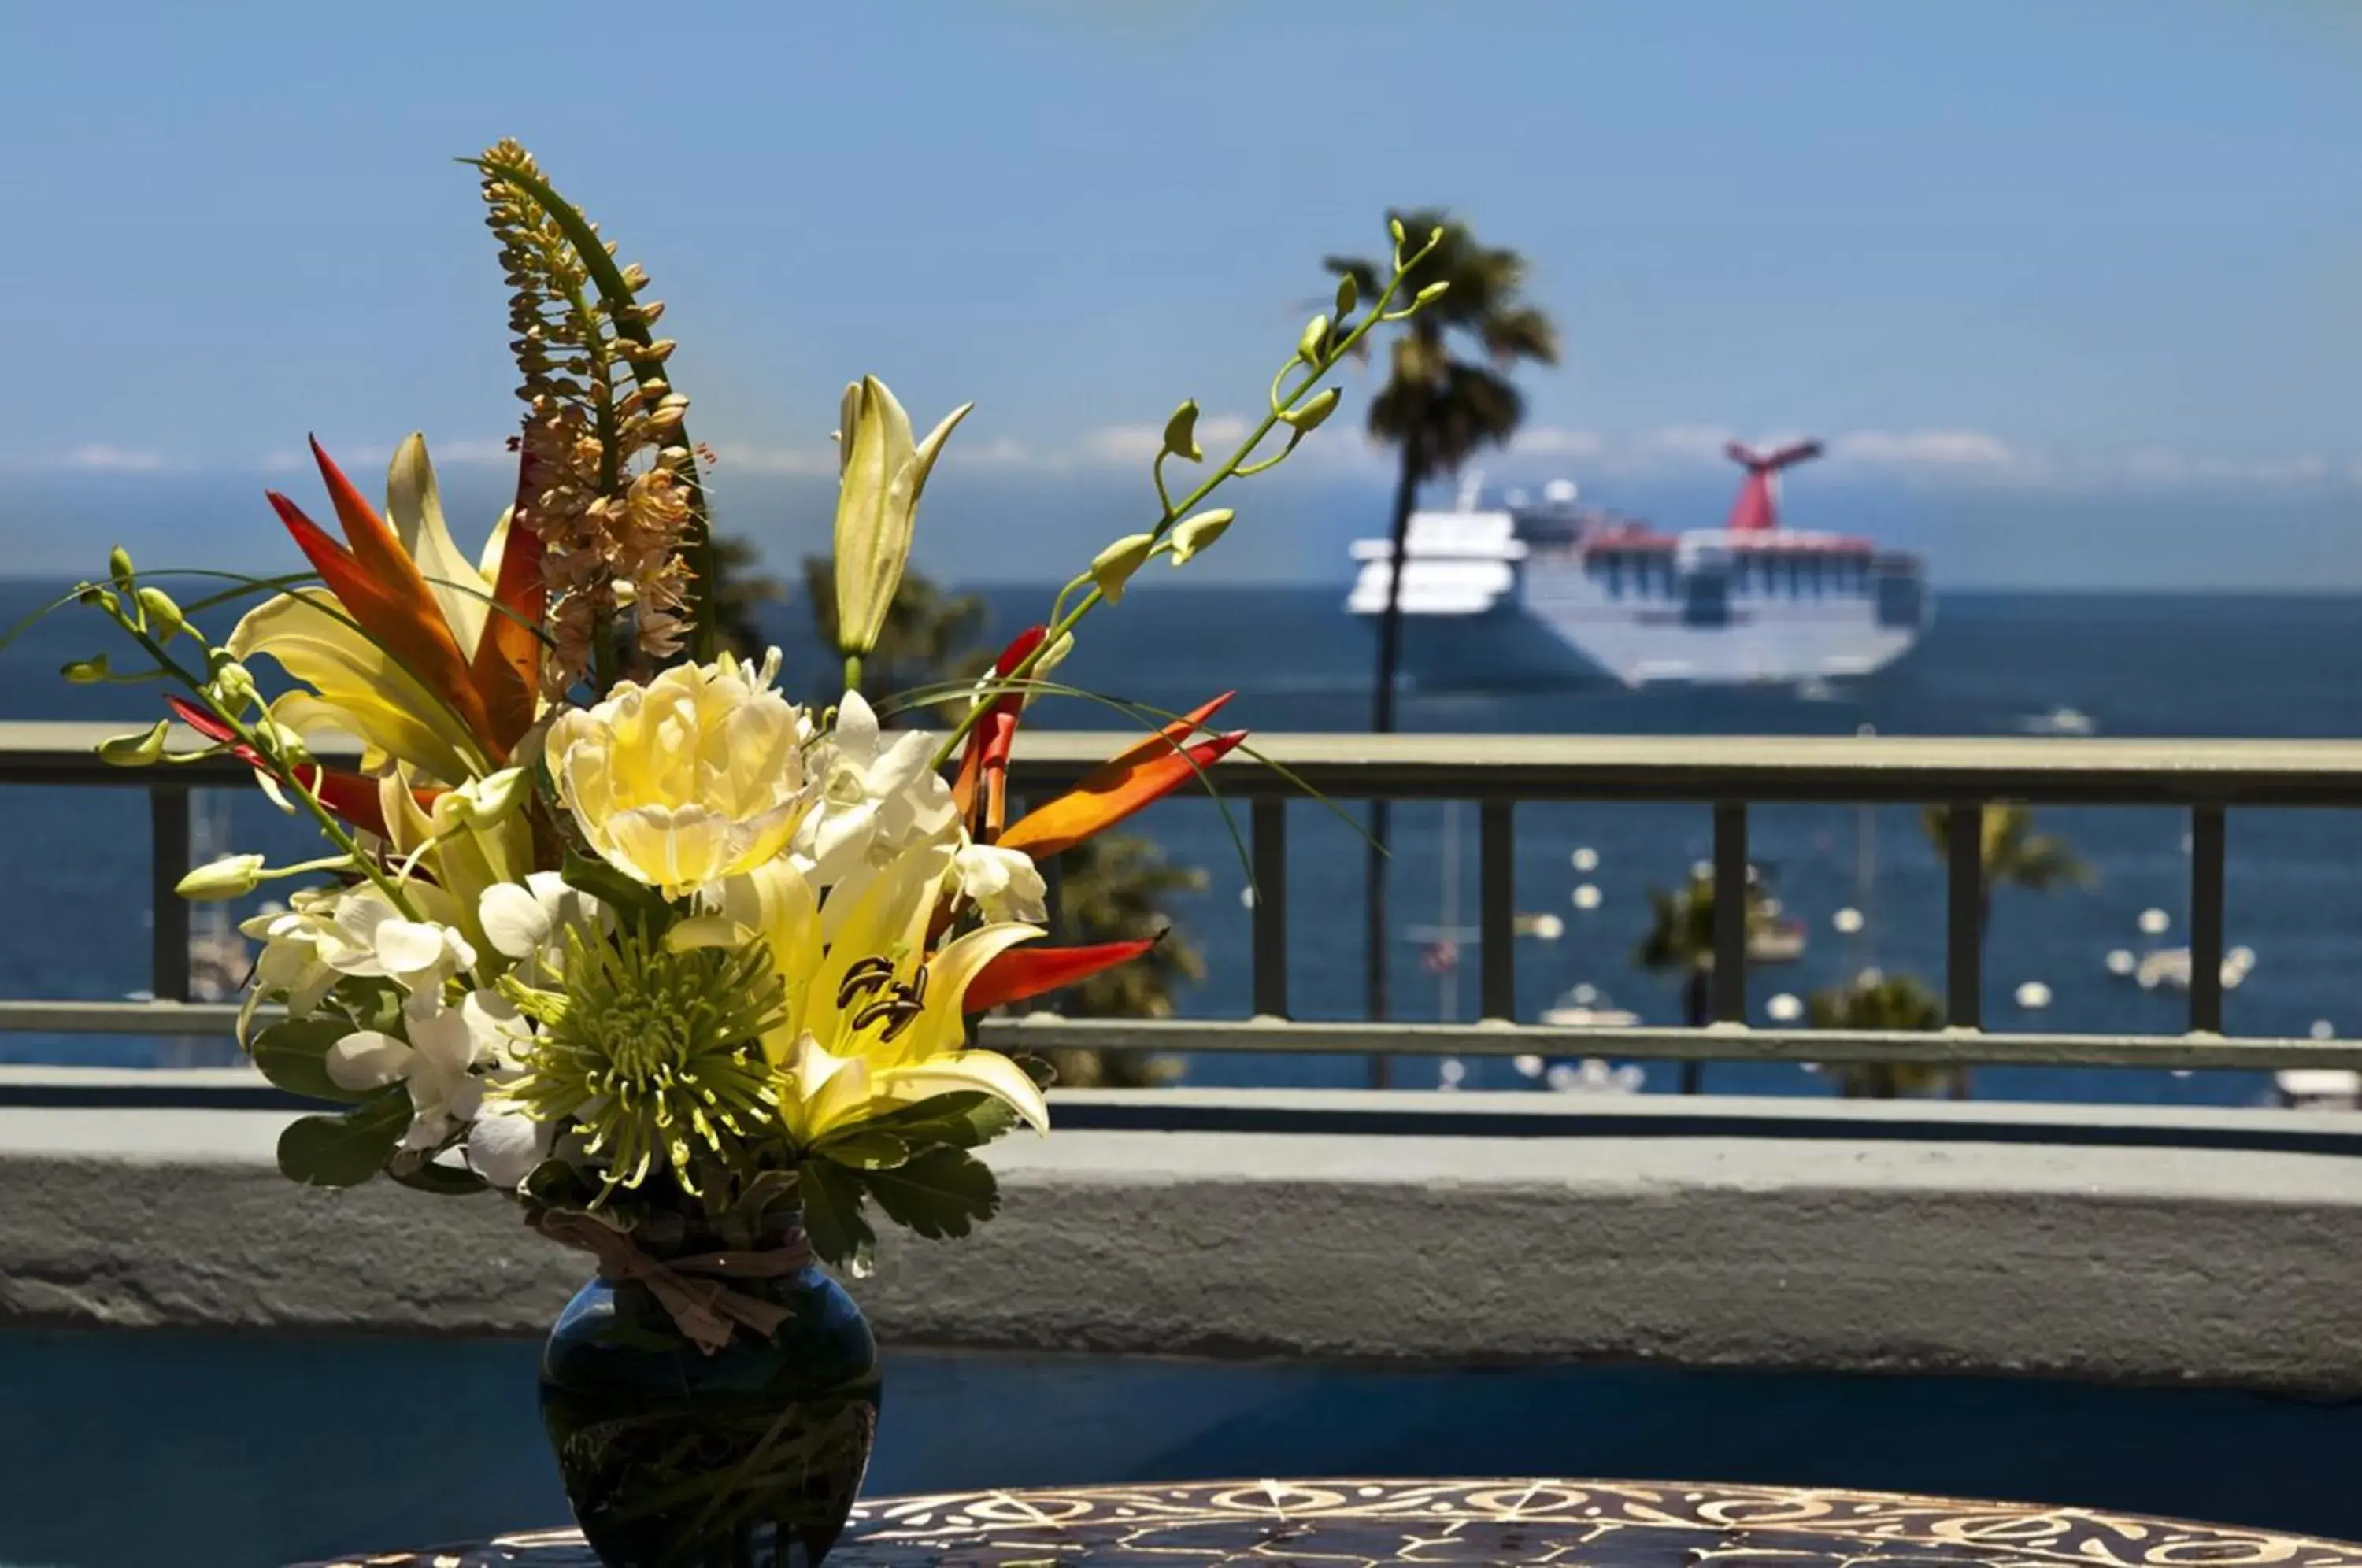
x: 606, y: 483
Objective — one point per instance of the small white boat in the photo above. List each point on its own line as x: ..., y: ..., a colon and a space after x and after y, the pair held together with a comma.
x: 2319, y: 1088
x: 2060, y: 721
x: 2169, y: 966
x: 1586, y: 1007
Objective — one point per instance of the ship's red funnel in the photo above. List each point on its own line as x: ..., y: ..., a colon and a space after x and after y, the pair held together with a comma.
x: 1756, y: 508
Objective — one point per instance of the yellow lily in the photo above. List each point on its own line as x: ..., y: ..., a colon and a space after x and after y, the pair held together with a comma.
x: 874, y: 1022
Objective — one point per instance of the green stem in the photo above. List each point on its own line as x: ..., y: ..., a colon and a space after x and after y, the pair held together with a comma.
x: 853, y: 672
x: 330, y: 828
x: 1189, y: 503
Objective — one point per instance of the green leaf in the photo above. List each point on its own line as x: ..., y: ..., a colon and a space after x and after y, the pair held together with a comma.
x: 553, y: 1184
x: 942, y: 1195
x: 295, y: 1056
x: 345, y: 1151
x: 1039, y: 1069
x: 448, y: 1181
x: 864, y: 1149
x: 833, y: 1216
x: 961, y: 1120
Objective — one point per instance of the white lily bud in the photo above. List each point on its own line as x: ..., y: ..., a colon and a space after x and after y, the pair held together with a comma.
x: 1195, y: 533
x: 231, y: 876
x: 1051, y: 658
x: 1314, y: 414
x: 135, y: 750
x: 164, y: 617
x: 1181, y: 433
x: 882, y: 475
x: 482, y: 802
x: 233, y: 687
x: 1113, y: 566
x: 1316, y: 339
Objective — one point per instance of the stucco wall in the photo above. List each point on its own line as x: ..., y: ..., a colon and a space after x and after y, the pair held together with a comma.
x: 1874, y: 1238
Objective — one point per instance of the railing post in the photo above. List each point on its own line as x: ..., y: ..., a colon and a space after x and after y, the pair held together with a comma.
x: 2206, y: 920
x: 1730, y: 911
x: 1054, y: 896
x: 1268, y: 825
x: 1964, y: 923
x: 168, y: 838
x: 1496, y: 908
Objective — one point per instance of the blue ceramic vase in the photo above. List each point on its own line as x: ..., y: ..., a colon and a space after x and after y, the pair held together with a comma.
x: 749, y: 1457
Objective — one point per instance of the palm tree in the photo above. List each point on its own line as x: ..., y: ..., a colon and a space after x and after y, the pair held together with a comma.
x: 2012, y: 854
x: 1681, y: 942
x: 1439, y: 411
x: 740, y: 591
x: 1882, y: 1002
x: 1113, y: 887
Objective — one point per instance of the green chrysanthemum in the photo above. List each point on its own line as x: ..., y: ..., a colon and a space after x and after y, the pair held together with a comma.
x: 653, y: 1051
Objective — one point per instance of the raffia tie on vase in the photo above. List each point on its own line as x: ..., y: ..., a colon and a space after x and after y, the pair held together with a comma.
x: 692, y: 1289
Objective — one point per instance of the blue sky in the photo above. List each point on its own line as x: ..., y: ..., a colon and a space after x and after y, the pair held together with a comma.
x: 2087, y: 251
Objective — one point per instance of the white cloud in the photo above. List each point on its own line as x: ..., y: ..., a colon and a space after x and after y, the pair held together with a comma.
x: 100, y: 457
x: 1945, y: 456
x: 1931, y: 451
x: 1133, y: 446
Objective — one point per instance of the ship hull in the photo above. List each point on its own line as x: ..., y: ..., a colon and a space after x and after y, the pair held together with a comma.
x: 1540, y: 638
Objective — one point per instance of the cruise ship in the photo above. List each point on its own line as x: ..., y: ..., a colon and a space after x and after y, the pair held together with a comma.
x: 1534, y: 594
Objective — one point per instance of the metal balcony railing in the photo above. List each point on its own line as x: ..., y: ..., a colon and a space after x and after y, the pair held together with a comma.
x: 2205, y: 778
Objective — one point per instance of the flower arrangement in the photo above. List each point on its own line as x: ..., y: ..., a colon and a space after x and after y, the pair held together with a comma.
x: 606, y: 922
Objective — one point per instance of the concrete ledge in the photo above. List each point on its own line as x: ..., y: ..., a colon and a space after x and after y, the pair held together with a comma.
x: 1888, y: 1245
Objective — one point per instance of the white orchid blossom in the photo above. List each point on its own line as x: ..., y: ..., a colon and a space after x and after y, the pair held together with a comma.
x: 528, y: 920
x: 436, y: 1062
x: 295, y: 938
x: 1004, y: 884
x: 877, y: 797
x: 371, y: 938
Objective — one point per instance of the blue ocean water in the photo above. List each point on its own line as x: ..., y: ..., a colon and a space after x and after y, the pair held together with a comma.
x: 2159, y: 666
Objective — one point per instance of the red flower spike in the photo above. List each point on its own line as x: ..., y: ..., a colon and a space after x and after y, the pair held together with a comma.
x: 1114, y: 791
x: 379, y: 587
x: 985, y: 762
x: 352, y: 796
x: 507, y: 668
x: 1024, y: 972
x: 1179, y: 730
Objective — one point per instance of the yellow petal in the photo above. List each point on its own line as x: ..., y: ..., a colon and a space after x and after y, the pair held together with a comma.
x: 414, y: 507
x: 949, y: 975
x: 956, y: 1072
x: 386, y: 707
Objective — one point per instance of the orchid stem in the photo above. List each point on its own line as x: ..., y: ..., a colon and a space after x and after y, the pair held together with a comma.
x: 1229, y: 469
x: 330, y: 828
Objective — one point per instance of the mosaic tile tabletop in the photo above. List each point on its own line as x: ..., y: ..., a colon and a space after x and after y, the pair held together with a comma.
x: 1547, y: 1524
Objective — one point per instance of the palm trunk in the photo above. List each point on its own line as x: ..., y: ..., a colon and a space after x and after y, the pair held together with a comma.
x: 1382, y: 721
x: 1961, y: 1086
x: 1697, y: 1008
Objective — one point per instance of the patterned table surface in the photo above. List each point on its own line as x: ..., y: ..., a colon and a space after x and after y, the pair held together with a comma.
x: 1562, y: 1524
